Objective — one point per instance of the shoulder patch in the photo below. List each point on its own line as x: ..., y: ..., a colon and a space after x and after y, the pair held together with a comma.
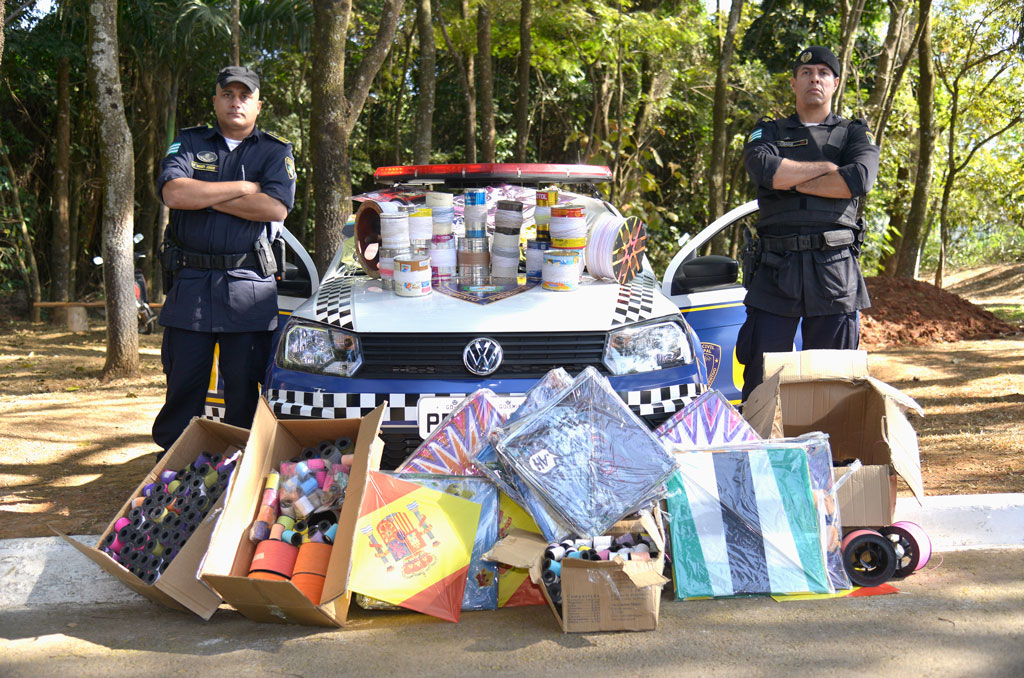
x: 173, y: 148
x: 276, y: 137
x: 766, y: 119
x: 755, y: 135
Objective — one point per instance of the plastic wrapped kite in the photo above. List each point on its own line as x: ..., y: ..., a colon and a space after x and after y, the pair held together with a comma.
x: 745, y: 522
x: 709, y: 420
x: 587, y: 455
x: 452, y: 446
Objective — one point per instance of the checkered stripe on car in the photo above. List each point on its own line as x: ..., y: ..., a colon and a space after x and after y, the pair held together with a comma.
x: 636, y: 301
x: 664, y: 400
x: 334, y: 303
x: 401, y: 406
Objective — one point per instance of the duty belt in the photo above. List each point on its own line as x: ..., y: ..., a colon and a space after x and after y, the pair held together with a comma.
x: 843, y: 237
x: 220, y: 262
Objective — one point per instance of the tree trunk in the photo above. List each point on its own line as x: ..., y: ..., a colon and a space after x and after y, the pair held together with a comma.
x: 335, y: 114
x: 523, y: 103
x: 851, y: 11
x: 28, y: 259
x: 1, y: 36
x: 906, y: 266
x: 716, y: 164
x: 885, y: 68
x: 146, y: 164
x: 60, y: 264
x: 396, y: 118
x: 116, y: 156
x: 426, y: 81
x: 485, y: 83
x: 236, y: 32
x: 897, y: 210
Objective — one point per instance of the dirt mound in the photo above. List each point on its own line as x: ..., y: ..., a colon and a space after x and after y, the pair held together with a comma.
x: 913, y: 312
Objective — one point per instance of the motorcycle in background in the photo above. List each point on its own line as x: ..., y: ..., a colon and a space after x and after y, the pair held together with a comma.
x: 147, y: 316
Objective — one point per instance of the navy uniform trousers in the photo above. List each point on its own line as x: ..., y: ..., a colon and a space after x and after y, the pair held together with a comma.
x: 243, y: 360
x: 772, y: 333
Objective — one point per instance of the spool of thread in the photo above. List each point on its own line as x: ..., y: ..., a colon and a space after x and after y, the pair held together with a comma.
x: 869, y: 558
x: 556, y: 567
x: 625, y: 540
x: 443, y: 257
x: 203, y: 459
x: 474, y: 261
x: 535, y: 249
x: 555, y: 553
x: 394, y: 230
x: 287, y: 521
x: 421, y: 226
x: 260, y: 531
x: 542, y: 213
x: 615, y: 248
x: 167, y: 476
x: 277, y: 557
x: 386, y: 265
x: 316, y: 463
x: 287, y: 468
x: 345, y: 444
x: 568, y: 226
x: 330, y: 534
x: 276, y: 532
x: 603, y: 542
x: 442, y: 211
x: 549, y: 577
x: 508, y: 223
x: 291, y: 537
x: 267, y: 514
x: 412, y: 275
x: 474, y: 213
x: 912, y: 545
x: 121, y: 523
x: 604, y: 554
x: 560, y: 272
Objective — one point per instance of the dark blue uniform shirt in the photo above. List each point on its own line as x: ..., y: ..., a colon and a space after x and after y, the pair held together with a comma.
x: 236, y: 300
x: 816, y: 282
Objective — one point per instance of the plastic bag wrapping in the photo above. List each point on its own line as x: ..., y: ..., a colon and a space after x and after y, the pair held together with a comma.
x: 745, y: 522
x: 587, y: 455
x: 482, y: 580
x: 710, y: 419
x: 413, y: 546
x: 460, y: 437
x: 819, y: 463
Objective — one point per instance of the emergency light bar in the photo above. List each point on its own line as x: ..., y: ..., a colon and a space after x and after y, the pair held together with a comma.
x: 511, y: 172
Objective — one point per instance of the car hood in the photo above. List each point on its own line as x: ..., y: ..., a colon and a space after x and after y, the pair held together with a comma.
x: 363, y: 305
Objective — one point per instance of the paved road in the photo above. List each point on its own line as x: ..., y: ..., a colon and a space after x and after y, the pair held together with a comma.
x: 963, y: 616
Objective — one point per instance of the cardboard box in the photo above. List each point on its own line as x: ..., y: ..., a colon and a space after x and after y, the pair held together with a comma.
x: 832, y: 392
x: 613, y: 595
x: 179, y: 586
x: 227, y: 562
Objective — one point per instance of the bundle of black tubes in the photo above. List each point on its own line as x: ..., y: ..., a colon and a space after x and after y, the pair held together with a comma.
x: 162, y: 518
x: 626, y: 546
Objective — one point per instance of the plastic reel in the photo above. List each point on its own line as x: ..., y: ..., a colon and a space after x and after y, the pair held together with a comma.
x: 912, y: 545
x: 869, y: 558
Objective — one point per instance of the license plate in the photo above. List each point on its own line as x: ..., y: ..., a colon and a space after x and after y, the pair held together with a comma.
x: 431, y: 410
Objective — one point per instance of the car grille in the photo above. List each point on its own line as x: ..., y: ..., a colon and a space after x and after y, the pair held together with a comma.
x: 440, y: 355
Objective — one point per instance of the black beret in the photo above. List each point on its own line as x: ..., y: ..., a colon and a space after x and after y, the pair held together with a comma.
x: 817, y: 55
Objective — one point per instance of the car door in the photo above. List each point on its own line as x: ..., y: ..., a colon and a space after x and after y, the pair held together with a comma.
x: 708, y: 291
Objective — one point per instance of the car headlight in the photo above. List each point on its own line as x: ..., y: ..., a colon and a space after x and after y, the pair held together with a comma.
x: 321, y: 350
x: 645, y: 348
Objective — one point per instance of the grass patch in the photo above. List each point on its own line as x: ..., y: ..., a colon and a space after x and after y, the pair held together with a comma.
x: 1011, y: 313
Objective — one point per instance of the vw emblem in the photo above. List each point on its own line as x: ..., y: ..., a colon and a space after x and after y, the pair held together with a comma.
x: 482, y: 356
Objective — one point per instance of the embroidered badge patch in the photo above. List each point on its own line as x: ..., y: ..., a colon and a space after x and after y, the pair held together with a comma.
x: 206, y: 156
x: 755, y: 135
x: 204, y: 168
x: 790, y: 143
x: 289, y: 167
x: 173, y: 148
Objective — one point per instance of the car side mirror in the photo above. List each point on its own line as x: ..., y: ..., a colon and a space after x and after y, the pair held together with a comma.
x: 705, y: 273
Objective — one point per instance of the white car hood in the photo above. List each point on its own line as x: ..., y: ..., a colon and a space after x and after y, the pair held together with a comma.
x: 362, y: 305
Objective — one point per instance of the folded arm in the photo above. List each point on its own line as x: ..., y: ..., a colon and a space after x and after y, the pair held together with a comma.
x: 256, y: 207
x: 185, y: 193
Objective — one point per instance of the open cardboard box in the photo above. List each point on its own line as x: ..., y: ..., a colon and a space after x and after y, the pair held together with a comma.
x: 227, y: 561
x: 179, y: 586
x: 612, y: 595
x: 832, y: 392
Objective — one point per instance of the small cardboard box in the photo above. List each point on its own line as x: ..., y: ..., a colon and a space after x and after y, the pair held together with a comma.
x: 832, y: 392
x: 227, y: 562
x: 613, y: 595
x: 179, y: 586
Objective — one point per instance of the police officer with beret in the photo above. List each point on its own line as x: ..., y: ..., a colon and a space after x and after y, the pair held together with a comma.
x: 811, y: 170
x: 224, y: 186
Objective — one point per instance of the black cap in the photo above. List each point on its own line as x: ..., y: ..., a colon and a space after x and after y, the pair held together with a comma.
x: 239, y: 74
x: 817, y: 55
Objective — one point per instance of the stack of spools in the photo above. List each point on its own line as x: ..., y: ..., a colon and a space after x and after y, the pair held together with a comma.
x: 166, y: 514
x: 626, y: 546
x: 298, y: 517
x: 563, y: 263
x: 474, y: 258
x: 442, y: 244
x: 394, y: 236
x: 535, y: 248
x: 421, y: 229
x: 508, y: 224
x: 872, y: 558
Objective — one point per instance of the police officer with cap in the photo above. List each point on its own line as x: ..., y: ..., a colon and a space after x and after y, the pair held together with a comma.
x: 224, y: 186
x: 811, y: 170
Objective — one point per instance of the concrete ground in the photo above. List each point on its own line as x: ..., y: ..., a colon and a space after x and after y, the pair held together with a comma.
x: 962, y: 615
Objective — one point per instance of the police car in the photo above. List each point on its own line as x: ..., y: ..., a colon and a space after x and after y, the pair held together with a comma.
x: 353, y: 345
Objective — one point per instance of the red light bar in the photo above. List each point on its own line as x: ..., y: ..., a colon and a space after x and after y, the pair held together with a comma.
x: 502, y: 171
